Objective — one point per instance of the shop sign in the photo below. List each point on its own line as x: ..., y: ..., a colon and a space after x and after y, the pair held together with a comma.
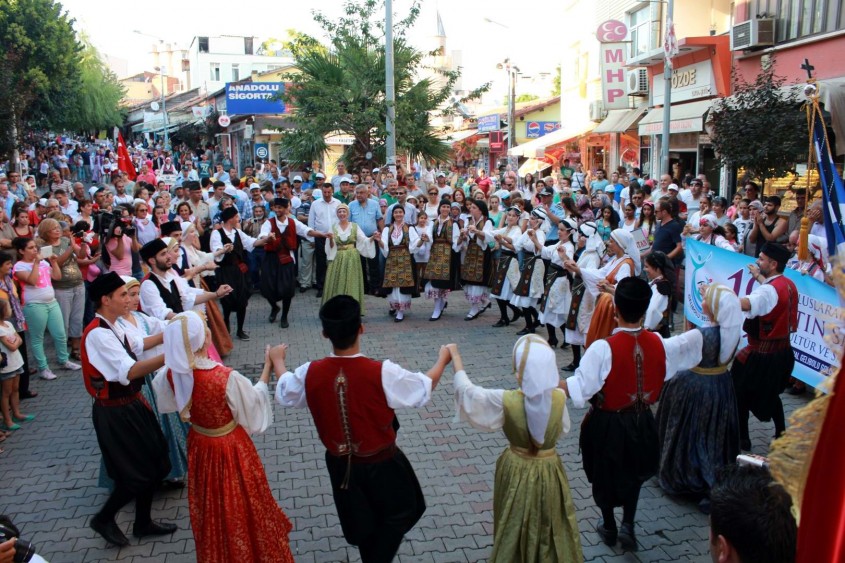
x: 497, y: 141
x: 535, y: 129
x: 692, y: 125
x: 488, y: 123
x: 255, y: 98
x: 611, y: 35
x: 688, y: 83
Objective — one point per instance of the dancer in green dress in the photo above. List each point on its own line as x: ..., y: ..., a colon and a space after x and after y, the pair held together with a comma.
x: 344, y: 275
x: 533, y: 512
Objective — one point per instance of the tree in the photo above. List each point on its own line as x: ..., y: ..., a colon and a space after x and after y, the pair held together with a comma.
x: 39, y: 65
x: 340, y: 88
x: 556, y: 82
x: 95, y: 103
x: 760, y: 128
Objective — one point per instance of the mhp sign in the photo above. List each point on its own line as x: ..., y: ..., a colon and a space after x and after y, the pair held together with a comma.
x: 254, y: 98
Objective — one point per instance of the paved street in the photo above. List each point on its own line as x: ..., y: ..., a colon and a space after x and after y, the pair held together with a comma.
x: 49, y: 471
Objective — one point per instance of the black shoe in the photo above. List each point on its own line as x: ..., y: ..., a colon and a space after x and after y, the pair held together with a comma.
x: 472, y: 317
x: 28, y: 395
x: 485, y: 308
x: 303, y: 289
x: 242, y: 335
x: 745, y: 445
x: 525, y: 331
x: 570, y: 367
x: 563, y: 345
x: 171, y: 485
x: 319, y: 293
x: 501, y: 322
x: 627, y: 541
x: 274, y: 312
x: 437, y: 318
x: 392, y: 312
x: 398, y: 319
x: 153, y: 529
x: 284, y: 323
x: 110, y: 532
x: 607, y: 536
x: 552, y: 343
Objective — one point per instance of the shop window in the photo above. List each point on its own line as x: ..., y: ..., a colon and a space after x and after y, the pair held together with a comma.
x: 248, y: 45
x: 802, y: 18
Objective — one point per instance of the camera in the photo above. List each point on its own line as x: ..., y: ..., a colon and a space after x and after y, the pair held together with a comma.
x: 24, y: 550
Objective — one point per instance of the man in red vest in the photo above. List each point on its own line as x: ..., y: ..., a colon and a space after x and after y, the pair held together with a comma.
x: 133, y: 447
x: 761, y: 370
x: 622, y: 376
x: 352, y: 400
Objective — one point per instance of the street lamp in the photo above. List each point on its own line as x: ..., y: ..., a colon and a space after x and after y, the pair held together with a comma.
x: 512, y: 71
x: 162, y: 70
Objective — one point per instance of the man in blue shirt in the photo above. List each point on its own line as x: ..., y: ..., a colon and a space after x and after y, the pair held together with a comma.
x: 555, y: 213
x: 601, y: 181
x: 364, y: 212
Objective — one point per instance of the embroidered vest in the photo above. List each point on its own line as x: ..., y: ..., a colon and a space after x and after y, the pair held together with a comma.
x: 170, y: 295
x: 97, y: 385
x: 637, y: 373
x: 284, y: 243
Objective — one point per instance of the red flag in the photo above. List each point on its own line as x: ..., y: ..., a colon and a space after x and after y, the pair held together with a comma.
x: 124, y: 163
x: 821, y: 536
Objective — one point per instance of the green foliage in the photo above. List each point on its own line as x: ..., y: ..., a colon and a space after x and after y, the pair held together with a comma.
x: 523, y: 98
x: 760, y: 128
x: 556, y: 82
x: 340, y: 88
x: 95, y: 103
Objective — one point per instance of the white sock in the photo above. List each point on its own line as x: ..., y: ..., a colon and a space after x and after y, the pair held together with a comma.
x: 400, y: 315
x: 473, y: 311
x: 438, y: 307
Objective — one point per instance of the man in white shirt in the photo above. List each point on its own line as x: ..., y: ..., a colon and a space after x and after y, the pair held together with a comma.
x: 165, y: 294
x: 322, y: 217
x: 67, y: 206
x: 341, y: 172
x: 442, y: 187
x: 662, y: 189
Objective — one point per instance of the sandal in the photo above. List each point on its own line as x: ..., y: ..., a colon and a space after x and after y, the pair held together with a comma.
x: 74, y: 355
x: 8, y: 428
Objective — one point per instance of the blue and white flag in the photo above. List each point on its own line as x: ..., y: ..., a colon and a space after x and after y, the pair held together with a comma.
x: 833, y: 191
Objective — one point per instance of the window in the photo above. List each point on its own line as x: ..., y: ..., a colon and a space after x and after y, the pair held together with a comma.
x: 802, y: 18
x: 247, y: 45
x: 236, y: 72
x: 202, y: 44
x: 645, y: 31
x: 215, y: 72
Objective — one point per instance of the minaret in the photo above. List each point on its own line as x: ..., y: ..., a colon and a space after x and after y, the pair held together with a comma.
x: 441, y: 36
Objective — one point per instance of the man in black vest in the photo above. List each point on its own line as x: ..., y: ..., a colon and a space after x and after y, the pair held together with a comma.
x: 164, y: 293
x: 133, y: 447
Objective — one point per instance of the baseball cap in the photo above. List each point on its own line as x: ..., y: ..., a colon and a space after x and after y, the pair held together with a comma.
x: 346, y: 179
x: 320, y: 176
x: 441, y: 175
x: 297, y: 178
x: 254, y: 187
x: 547, y: 191
x: 672, y: 187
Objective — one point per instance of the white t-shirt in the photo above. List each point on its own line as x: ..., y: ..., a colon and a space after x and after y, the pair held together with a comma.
x: 40, y: 293
x: 14, y: 359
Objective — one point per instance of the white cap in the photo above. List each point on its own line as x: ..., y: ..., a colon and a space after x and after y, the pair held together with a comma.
x: 673, y: 187
x: 254, y: 186
x: 230, y: 190
x: 375, y: 170
x: 297, y: 178
x: 320, y: 176
x: 441, y: 175
x: 347, y: 179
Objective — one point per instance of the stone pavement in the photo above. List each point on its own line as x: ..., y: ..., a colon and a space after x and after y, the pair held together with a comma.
x: 49, y: 471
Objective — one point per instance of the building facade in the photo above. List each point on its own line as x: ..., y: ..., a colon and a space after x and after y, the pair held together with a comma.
x: 214, y: 61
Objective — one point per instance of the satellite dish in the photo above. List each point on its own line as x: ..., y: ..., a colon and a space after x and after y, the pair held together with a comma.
x: 154, y: 106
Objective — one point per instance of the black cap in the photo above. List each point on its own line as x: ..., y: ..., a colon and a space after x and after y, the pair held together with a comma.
x: 547, y: 191
x: 632, y: 297
x: 104, y: 285
x: 776, y: 252
x: 170, y: 227
x: 228, y: 213
x: 152, y: 248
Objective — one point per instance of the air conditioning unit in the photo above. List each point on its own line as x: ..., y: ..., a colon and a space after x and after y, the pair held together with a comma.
x: 752, y: 34
x: 597, y: 111
x: 638, y: 82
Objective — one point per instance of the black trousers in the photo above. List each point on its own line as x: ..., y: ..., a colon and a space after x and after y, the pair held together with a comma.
x: 372, y: 274
x: 320, y: 261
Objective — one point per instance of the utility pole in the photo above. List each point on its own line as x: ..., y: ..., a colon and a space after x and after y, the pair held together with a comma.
x: 164, y: 109
x: 390, y: 95
x: 667, y: 96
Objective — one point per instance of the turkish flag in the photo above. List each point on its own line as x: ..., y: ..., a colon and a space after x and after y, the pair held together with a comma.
x: 124, y: 163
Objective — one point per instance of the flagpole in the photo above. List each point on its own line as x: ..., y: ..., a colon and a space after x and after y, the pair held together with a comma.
x: 667, y: 92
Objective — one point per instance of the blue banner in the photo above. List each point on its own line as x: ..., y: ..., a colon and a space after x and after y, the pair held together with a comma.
x: 488, y: 123
x: 255, y: 98
x: 819, y: 316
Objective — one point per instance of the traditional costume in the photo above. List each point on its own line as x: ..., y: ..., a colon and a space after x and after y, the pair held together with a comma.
x: 622, y: 376
x: 501, y: 289
x: 557, y: 294
x: 761, y: 370
x: 476, y: 266
x: 234, y: 269
x: 526, y: 274
x: 278, y: 269
x: 344, y: 275
x: 442, y: 273
x: 583, y: 303
x: 533, y: 513
x: 234, y: 515
x: 697, y: 417
x: 398, y: 245
x: 133, y: 447
x: 352, y: 401
x: 618, y: 268
x: 658, y: 318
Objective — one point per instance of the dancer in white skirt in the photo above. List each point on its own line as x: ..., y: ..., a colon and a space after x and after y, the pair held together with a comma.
x: 501, y: 289
x: 526, y: 274
x: 442, y: 272
x: 477, y: 258
x: 398, y: 242
x: 583, y: 302
x: 557, y: 295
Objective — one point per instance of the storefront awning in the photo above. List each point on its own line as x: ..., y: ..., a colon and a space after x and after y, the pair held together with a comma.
x: 685, y: 118
x: 532, y: 166
x: 620, y: 120
x: 537, y: 147
x: 457, y: 136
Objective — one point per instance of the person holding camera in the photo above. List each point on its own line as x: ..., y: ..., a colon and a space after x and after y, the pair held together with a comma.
x: 120, y: 243
x: 12, y: 547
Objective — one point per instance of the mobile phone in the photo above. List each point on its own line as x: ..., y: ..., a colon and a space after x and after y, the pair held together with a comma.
x: 46, y: 251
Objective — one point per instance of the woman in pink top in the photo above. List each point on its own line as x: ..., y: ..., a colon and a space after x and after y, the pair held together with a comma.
x: 41, y: 310
x: 147, y: 175
x: 119, y: 247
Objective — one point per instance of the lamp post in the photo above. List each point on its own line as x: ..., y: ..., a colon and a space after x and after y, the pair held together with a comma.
x: 667, y: 100
x: 161, y: 70
x: 512, y: 71
x: 390, y: 94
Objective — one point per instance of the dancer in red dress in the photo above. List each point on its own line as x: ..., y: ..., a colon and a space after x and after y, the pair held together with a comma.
x: 234, y: 515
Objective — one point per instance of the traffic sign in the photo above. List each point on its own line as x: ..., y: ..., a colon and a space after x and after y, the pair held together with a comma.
x: 224, y: 120
x: 262, y: 150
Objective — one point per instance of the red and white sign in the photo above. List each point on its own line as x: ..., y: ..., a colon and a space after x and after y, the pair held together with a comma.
x: 224, y: 121
x: 612, y: 57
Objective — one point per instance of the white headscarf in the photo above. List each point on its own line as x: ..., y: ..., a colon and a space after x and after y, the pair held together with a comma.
x: 536, y: 371
x: 626, y: 240
x: 727, y: 313
x: 594, y: 243
x: 184, y: 335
